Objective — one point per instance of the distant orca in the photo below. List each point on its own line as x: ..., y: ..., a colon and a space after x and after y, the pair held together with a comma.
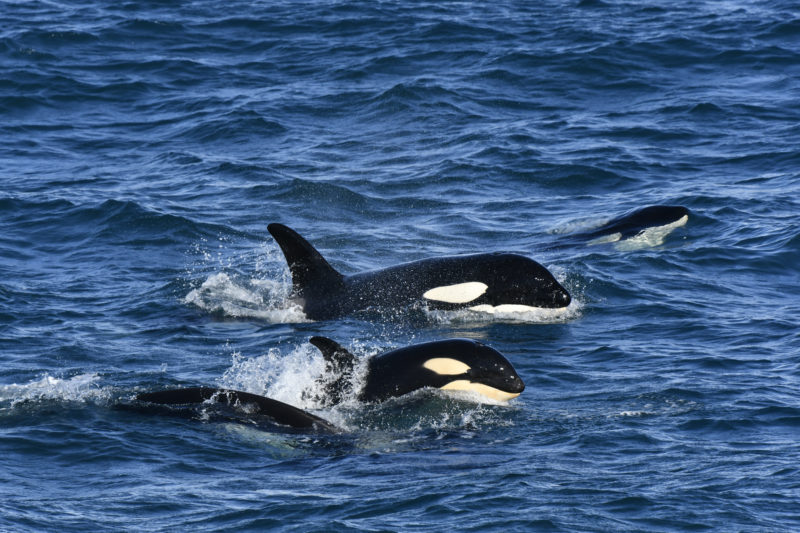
x: 453, y: 364
x: 633, y: 224
x: 480, y: 282
x: 253, y: 404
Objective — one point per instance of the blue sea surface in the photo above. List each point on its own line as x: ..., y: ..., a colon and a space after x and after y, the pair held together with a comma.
x: 146, y: 145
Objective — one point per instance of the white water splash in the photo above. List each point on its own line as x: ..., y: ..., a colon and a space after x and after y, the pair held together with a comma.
x: 262, y: 296
x: 278, y: 376
x: 80, y: 388
x: 292, y: 378
x: 264, y: 299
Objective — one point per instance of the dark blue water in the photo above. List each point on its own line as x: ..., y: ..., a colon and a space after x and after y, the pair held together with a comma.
x: 146, y: 146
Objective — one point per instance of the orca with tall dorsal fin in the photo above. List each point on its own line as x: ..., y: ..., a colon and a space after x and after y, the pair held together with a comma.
x: 451, y: 364
x: 494, y: 281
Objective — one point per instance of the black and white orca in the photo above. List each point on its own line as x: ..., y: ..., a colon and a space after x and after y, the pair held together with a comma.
x: 482, y: 282
x: 654, y: 220
x: 451, y: 365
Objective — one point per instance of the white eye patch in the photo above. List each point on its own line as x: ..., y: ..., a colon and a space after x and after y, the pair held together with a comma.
x: 445, y: 366
x: 460, y: 293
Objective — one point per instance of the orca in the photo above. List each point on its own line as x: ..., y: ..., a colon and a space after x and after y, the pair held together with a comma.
x: 484, y: 281
x: 654, y: 219
x: 452, y: 365
x: 252, y: 404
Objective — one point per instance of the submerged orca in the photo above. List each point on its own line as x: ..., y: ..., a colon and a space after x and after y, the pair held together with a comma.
x: 635, y: 223
x: 480, y: 281
x: 453, y: 364
x: 253, y: 405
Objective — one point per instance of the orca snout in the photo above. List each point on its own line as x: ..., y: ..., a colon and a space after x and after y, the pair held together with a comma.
x: 553, y: 296
x: 561, y: 297
x: 516, y: 385
x: 508, y: 381
x: 500, y: 376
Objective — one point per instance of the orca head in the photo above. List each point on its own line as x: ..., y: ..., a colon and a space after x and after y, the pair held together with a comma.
x: 499, y: 281
x: 519, y: 282
x: 468, y: 365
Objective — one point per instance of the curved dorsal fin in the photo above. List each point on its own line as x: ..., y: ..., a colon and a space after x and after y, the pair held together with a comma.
x: 339, y: 365
x: 336, y: 356
x: 310, y: 271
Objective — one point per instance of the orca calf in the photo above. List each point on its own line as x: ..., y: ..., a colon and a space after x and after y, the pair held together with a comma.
x: 657, y: 220
x: 252, y: 404
x: 480, y: 282
x: 453, y: 364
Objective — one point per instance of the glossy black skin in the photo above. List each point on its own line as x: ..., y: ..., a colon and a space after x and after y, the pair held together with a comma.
x: 280, y: 412
x: 390, y: 374
x: 324, y: 293
x: 401, y: 371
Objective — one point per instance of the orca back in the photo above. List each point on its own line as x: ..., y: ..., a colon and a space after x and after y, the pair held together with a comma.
x: 638, y: 220
x: 280, y: 412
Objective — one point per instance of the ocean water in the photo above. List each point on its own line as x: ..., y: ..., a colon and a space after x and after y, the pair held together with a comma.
x: 146, y: 145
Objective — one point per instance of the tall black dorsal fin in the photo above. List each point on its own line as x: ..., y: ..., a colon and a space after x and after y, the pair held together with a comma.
x: 310, y: 271
x: 336, y: 356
